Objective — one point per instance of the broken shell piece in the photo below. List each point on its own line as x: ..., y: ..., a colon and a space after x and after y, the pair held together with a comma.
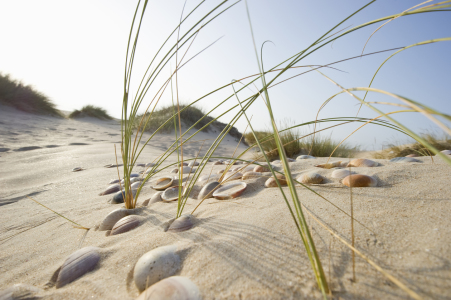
x: 232, y: 176
x: 330, y: 165
x: 362, y: 162
x: 155, y: 265
x: 271, y: 182
x: 182, y: 223
x: 76, y: 169
x: 305, y: 157
x: 249, y: 175
x: 207, y: 190
x: 311, y: 178
x: 230, y: 190
x: 125, y: 224
x: 171, y: 194
x: 404, y: 160
x: 261, y: 169
x: 172, y: 288
x: 77, y: 264
x: 112, y: 218
x: 162, y: 183
x: 111, y: 189
x: 359, y: 180
x: 341, y: 173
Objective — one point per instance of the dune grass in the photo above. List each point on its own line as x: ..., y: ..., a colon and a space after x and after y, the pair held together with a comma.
x: 24, y: 97
x: 90, y: 111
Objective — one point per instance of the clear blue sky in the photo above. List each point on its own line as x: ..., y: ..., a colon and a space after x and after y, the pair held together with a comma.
x: 74, y: 52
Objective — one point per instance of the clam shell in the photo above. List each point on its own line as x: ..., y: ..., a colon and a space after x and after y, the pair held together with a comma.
x: 155, y: 265
x: 119, y: 197
x: 305, y: 157
x: 162, y: 183
x: 218, y: 162
x: 261, y: 169
x: 330, y: 165
x: 76, y: 169
x: 182, y: 223
x: 155, y: 198
x: 140, y: 165
x: 311, y: 178
x: 113, y: 181
x: 134, y: 175
x: 149, y: 165
x: 174, y: 171
x: 135, y: 185
x: 412, y: 155
x: 362, y: 162
x: 193, y: 164
x: 150, y: 170
x: 271, y: 182
x: 446, y: 152
x: 77, y: 264
x: 182, y: 164
x: 404, y: 160
x: 185, y: 169
x: 232, y: 176
x: 230, y: 190
x: 125, y: 224
x: 276, y: 161
x: 204, y: 178
x: 171, y: 194
x: 111, y: 189
x: 249, y: 175
x: 112, y: 218
x: 341, y: 173
x: 359, y: 180
x: 207, y: 189
x: 172, y: 288
x: 136, y: 179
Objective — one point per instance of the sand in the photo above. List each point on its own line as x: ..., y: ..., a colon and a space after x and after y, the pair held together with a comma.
x: 244, y: 248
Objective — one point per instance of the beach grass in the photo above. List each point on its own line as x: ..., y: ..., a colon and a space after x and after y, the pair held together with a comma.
x: 25, y: 97
x: 90, y: 111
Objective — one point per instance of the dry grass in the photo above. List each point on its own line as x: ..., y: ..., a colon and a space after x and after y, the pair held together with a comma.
x: 91, y: 111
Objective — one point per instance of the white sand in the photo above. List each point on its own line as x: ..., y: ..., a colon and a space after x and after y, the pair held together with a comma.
x: 245, y: 248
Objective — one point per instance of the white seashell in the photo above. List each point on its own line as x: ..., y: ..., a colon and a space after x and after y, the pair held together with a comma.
x: 404, y: 160
x: 193, y: 164
x: 136, y: 179
x: 125, y: 224
x: 155, y: 198
x: 162, y: 183
x: 207, y: 190
x: 271, y: 182
x: 359, y: 180
x: 305, y: 157
x: 172, y: 288
x: 150, y: 170
x: 156, y: 265
x: 112, y: 218
x: 172, y: 194
x: 77, y: 264
x: 111, y: 189
x: 310, y: 178
x: 76, y: 169
x: 230, y: 190
x: 174, y: 171
x: 341, y: 173
x: 249, y: 175
x: 232, y: 176
x: 182, y: 223
x: 362, y: 162
x: 149, y: 165
x: 446, y: 152
x: 135, y: 185
x: 203, y: 178
x: 330, y: 165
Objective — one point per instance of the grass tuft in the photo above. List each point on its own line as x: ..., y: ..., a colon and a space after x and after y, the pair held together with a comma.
x: 24, y: 97
x: 91, y: 111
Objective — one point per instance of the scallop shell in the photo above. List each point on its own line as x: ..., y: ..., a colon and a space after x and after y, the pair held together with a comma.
x: 112, y: 218
x: 193, y: 164
x: 404, y: 160
x: 76, y: 169
x: 156, y: 265
x: 172, y: 288
x: 125, y: 224
x: 362, y: 162
x: 359, y: 180
x: 162, y: 183
x: 261, y: 169
x: 232, y: 176
x: 311, y: 178
x: 207, y: 190
x: 412, y: 155
x: 230, y: 190
x: 171, y: 194
x: 341, y: 173
x: 77, y: 264
x: 330, y: 165
x: 113, y: 181
x: 203, y: 178
x: 182, y: 223
x: 111, y: 189
x: 271, y: 182
x: 305, y: 157
x: 249, y: 175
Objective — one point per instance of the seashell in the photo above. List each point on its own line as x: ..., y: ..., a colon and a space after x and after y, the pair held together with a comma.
x: 112, y: 218
x: 310, y: 177
x: 359, y: 180
x: 77, y: 264
x: 162, y: 183
x: 247, y: 169
x: 150, y: 170
x: 276, y: 161
x: 112, y: 166
x: 155, y: 198
x: 249, y: 175
x: 203, y: 178
x: 113, y: 181
x: 174, y: 171
x: 271, y: 182
x: 149, y: 165
x: 404, y: 160
x: 305, y: 157
x: 232, y: 176
x: 141, y: 165
x: 119, y: 197
x: 136, y: 179
x: 207, y: 190
x: 185, y: 169
x: 156, y: 265
x: 20, y: 291
x: 193, y: 164
x: 261, y: 169
x: 111, y: 189
x: 446, y: 152
x: 125, y: 224
x: 182, y: 164
x: 220, y: 172
x: 236, y: 169
x: 341, y: 173
x: 218, y: 162
x: 134, y: 175
x: 412, y: 155
x: 172, y: 288
x: 182, y: 223
x: 290, y: 159
x: 362, y: 162
x: 135, y: 185
x: 76, y: 169
x: 230, y: 190
x: 171, y: 194
x: 330, y: 165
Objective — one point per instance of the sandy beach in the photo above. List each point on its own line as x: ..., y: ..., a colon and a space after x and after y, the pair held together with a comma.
x: 243, y: 248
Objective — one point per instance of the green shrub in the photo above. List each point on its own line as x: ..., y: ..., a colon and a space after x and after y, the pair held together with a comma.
x: 91, y: 111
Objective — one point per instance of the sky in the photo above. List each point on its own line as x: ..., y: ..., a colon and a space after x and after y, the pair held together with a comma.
x: 74, y: 52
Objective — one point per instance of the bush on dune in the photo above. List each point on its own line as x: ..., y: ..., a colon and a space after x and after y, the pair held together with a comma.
x: 91, y: 111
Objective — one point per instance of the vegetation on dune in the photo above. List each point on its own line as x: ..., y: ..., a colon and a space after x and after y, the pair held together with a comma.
x: 24, y: 97
x: 91, y: 111
x: 393, y: 150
